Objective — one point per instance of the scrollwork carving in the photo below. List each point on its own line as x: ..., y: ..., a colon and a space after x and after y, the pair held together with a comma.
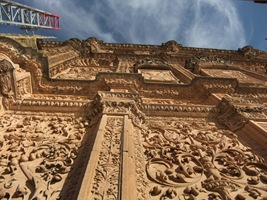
x: 198, y: 160
x: 37, y: 153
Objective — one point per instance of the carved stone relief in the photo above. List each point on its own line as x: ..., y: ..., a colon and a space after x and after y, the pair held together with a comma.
x: 106, y: 184
x: 250, y: 53
x: 173, y: 158
x: 195, y: 159
x: 24, y: 87
x: 82, y: 69
x: 240, y: 76
x: 37, y: 152
x: 7, y: 82
x: 171, y: 47
x: 196, y: 60
x: 158, y: 75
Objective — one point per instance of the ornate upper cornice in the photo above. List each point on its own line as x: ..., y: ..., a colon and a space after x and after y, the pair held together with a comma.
x: 56, y: 67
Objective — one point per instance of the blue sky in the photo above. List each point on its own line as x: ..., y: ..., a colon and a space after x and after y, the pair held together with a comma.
x: 222, y: 24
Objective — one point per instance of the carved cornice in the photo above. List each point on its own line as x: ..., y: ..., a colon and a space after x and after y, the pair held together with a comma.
x: 151, y: 64
x: 172, y: 109
x: 116, y: 104
x: 48, y: 105
x: 235, y: 115
x: 193, y: 63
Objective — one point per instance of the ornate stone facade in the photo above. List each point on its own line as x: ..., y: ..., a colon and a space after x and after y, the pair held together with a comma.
x: 94, y: 120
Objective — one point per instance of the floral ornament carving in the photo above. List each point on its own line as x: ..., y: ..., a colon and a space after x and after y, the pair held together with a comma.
x: 36, y: 155
x: 107, y: 175
x: 196, y: 160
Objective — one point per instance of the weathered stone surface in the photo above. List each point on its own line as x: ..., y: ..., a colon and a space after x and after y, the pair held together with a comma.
x: 94, y: 120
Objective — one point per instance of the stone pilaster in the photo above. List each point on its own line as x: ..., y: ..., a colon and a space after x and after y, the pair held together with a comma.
x: 110, y: 172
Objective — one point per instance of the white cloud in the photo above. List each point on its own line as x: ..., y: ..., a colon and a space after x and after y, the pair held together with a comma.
x: 200, y: 23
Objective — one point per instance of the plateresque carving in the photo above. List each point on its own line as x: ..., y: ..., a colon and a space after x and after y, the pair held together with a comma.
x: 196, y: 160
x: 107, y: 176
x: 36, y: 154
x: 85, y: 119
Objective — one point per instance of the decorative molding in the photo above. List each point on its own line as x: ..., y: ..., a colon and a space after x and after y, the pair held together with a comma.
x: 114, y: 103
x: 230, y: 117
x: 235, y: 116
x: 194, y: 62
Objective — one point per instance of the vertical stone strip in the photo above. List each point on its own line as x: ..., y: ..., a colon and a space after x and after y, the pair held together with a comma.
x: 128, y: 182
x: 89, y: 173
x: 102, y: 176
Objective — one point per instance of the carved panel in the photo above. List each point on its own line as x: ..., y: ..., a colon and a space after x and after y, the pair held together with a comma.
x: 60, y: 58
x: 24, y: 87
x: 153, y: 75
x: 240, y: 76
x: 106, y: 184
x: 82, y: 69
x: 195, y: 159
x: 37, y: 152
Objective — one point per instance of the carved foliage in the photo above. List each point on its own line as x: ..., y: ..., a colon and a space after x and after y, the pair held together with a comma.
x: 107, y: 175
x: 196, y: 160
x: 37, y: 153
